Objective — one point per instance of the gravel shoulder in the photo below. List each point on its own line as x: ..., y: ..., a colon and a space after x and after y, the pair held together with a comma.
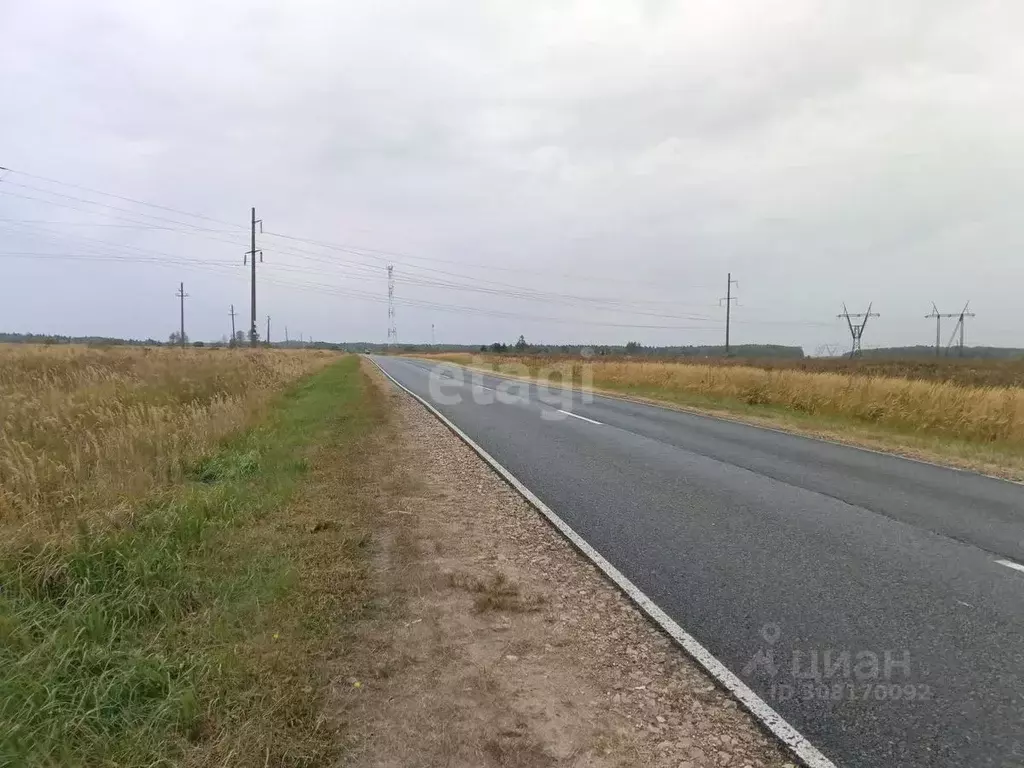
x: 496, y: 644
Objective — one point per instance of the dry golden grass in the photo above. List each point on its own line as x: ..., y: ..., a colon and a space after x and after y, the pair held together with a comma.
x: 198, y: 635
x: 970, y: 372
x: 987, y: 415
x: 89, y: 432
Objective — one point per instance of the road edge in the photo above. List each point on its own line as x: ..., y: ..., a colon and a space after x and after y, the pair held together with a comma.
x: 771, y: 720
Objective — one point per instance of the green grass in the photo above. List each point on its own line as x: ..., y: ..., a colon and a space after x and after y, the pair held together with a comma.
x: 142, y: 646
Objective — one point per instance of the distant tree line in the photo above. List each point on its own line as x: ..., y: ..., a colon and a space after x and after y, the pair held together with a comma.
x: 921, y: 352
x: 636, y: 349
x: 521, y: 346
x: 45, y: 338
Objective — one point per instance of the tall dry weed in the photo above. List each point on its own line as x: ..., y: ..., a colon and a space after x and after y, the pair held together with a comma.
x: 88, y: 432
x: 983, y: 414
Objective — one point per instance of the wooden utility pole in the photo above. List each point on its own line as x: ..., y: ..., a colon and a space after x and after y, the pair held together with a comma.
x: 182, y: 295
x: 251, y: 253
x: 729, y: 299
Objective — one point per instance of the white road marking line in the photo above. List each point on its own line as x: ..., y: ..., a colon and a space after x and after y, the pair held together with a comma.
x: 1011, y: 564
x: 473, y: 384
x: 577, y: 416
x: 753, y: 703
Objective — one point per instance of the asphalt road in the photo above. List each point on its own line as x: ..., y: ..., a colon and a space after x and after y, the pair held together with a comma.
x: 786, y: 557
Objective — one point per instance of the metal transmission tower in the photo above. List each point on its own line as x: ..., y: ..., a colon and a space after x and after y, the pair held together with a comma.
x: 938, y: 325
x: 392, y: 331
x: 729, y: 299
x: 959, y: 327
x: 182, y: 295
x: 826, y: 350
x: 857, y: 331
x: 253, y: 333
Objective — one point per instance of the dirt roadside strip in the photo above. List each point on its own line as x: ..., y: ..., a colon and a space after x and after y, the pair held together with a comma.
x: 498, y: 644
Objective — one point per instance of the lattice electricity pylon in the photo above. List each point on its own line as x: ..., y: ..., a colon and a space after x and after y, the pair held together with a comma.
x: 857, y: 331
x: 959, y: 327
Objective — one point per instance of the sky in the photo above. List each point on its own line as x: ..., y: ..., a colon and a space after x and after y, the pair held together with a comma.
x: 569, y: 171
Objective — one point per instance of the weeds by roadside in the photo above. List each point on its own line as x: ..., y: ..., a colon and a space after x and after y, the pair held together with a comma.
x: 495, y: 593
x: 969, y: 371
x: 91, y: 433
x: 195, y: 632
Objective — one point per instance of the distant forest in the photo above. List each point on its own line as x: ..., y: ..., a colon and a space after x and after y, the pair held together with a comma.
x: 42, y: 338
x: 597, y: 350
x: 107, y: 341
x: 922, y: 351
x: 521, y: 346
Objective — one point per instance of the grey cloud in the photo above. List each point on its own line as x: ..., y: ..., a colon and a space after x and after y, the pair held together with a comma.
x: 822, y: 152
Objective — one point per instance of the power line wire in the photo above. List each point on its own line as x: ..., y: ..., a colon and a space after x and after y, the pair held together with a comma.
x: 364, y: 271
x: 356, y: 250
x: 521, y: 292
x: 547, y: 297
x: 86, y: 201
x: 122, y: 197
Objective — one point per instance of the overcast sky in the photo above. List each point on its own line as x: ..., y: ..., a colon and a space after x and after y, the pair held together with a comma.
x: 571, y: 171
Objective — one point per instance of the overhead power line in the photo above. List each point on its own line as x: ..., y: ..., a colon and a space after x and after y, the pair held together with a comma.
x: 95, y: 203
x: 156, y: 227
x: 547, y: 298
x: 357, y: 250
x: 122, y: 198
x: 421, y: 275
x: 226, y: 270
x: 513, y: 292
x: 385, y: 255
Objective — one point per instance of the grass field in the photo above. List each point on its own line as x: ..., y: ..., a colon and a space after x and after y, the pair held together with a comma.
x: 970, y: 372
x: 218, y: 549
x: 981, y: 425
x: 87, y: 432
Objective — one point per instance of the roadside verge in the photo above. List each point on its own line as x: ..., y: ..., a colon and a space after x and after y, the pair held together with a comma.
x: 197, y: 631
x: 763, y: 714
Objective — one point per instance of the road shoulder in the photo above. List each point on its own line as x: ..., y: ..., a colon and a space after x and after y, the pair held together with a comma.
x: 497, y: 644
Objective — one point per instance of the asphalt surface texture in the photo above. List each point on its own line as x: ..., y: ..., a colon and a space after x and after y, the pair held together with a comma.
x: 860, y: 594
